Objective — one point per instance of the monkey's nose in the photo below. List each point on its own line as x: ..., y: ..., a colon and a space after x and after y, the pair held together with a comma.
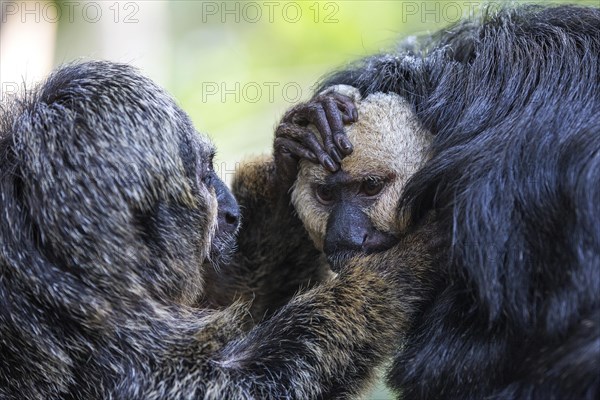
x: 229, y: 218
x: 232, y: 218
x: 348, y: 239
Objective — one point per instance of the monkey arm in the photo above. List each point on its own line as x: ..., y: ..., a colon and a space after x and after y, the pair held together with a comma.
x: 275, y: 257
x: 325, y: 343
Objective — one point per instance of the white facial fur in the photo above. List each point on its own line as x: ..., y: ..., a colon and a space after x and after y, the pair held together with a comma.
x: 388, y: 141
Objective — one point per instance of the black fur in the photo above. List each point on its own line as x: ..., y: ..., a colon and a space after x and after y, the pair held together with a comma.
x: 111, y: 217
x: 514, y: 175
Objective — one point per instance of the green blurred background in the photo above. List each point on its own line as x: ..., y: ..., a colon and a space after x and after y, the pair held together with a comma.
x: 234, y: 66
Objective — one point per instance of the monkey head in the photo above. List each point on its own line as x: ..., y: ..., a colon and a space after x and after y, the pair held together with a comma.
x: 354, y: 210
x: 106, y: 179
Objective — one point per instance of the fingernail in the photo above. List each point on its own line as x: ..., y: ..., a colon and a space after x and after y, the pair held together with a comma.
x: 336, y: 155
x: 355, y: 114
x: 346, y: 145
x: 329, y: 164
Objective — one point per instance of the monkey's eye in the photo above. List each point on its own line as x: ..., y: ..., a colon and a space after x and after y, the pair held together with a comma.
x: 372, y: 186
x: 324, y: 194
x: 205, y: 173
x: 206, y: 170
x: 207, y: 178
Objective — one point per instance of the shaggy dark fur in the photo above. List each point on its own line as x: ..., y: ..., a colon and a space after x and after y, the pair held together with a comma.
x: 111, y: 217
x: 514, y: 175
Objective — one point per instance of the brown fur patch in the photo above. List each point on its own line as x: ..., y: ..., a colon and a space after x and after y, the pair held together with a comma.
x: 254, y: 176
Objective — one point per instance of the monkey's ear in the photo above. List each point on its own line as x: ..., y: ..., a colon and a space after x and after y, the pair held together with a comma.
x: 346, y: 90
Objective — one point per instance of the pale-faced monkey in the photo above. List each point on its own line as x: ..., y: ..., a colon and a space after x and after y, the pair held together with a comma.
x: 354, y: 209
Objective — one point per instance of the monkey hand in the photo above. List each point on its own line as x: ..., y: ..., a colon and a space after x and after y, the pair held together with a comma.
x: 296, y: 139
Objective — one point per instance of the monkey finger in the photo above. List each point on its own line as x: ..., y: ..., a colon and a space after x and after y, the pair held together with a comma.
x: 347, y: 106
x: 290, y: 148
x: 317, y: 115
x: 304, y: 136
x: 347, y: 119
x: 334, y: 117
x: 311, y: 142
x: 343, y: 143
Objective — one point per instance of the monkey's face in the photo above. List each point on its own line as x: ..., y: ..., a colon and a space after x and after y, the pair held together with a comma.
x: 354, y: 210
x: 227, y: 220
x: 217, y: 210
x: 115, y: 185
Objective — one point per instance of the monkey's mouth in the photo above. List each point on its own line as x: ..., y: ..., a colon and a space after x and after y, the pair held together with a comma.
x: 222, y: 249
x: 339, y: 258
x: 340, y: 251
